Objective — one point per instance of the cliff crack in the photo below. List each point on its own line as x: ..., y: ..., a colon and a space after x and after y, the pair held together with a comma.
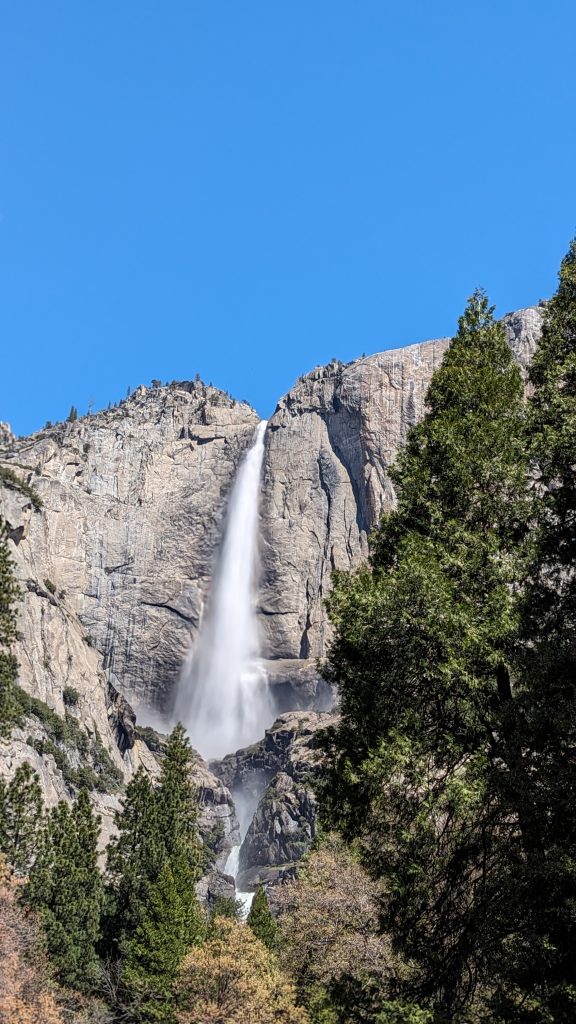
x: 169, y: 608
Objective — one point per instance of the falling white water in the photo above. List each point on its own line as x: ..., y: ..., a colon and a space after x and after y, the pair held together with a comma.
x: 223, y: 697
x: 231, y: 868
x: 245, y: 804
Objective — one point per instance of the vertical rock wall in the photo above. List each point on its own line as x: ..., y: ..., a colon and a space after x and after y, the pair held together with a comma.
x: 330, y: 444
x: 134, y: 498
x: 132, y: 505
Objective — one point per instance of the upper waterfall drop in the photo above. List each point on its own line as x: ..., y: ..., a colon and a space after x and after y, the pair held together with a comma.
x: 223, y: 698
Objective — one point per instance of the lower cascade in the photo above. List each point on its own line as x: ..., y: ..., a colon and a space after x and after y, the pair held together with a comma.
x: 223, y: 697
x: 232, y: 868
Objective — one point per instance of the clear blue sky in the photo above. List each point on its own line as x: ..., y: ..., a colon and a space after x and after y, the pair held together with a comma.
x: 245, y: 189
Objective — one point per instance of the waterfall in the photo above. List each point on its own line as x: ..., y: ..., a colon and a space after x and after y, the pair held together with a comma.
x: 231, y: 868
x: 223, y: 697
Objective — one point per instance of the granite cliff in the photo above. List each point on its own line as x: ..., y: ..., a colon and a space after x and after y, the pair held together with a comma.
x: 115, y: 558
x: 330, y: 443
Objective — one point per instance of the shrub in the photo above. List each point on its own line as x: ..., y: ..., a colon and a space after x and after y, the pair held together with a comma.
x: 9, y: 479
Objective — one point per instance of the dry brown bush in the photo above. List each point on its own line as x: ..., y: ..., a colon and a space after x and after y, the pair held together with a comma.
x: 233, y: 979
x: 328, y: 919
x: 25, y: 993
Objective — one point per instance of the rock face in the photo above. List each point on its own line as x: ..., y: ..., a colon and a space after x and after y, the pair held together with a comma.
x: 275, y: 775
x: 134, y: 499
x: 132, y: 505
x: 114, y: 534
x: 330, y: 444
x: 6, y: 436
x: 77, y: 728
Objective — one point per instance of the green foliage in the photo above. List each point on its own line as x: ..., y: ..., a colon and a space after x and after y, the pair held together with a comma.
x: 32, y: 707
x: 177, y: 805
x: 211, y: 840
x: 153, y: 740
x: 134, y: 859
x: 70, y: 696
x: 423, y: 649
x: 403, y: 1013
x: 65, y: 736
x: 224, y: 906
x: 109, y: 778
x: 51, y: 587
x: 82, y: 777
x: 552, y: 431
x: 261, y: 921
x: 72, y: 415
x: 153, y: 866
x: 537, y: 980
x: 65, y: 888
x: 169, y: 926
x: 9, y: 594
x: 8, y: 478
x: 20, y: 818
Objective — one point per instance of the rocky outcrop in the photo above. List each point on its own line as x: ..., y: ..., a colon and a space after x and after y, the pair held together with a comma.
x: 114, y: 520
x: 281, y: 832
x: 7, y: 438
x: 275, y: 776
x: 329, y: 447
x: 72, y: 719
x: 296, y: 685
x: 132, y: 506
x: 76, y: 728
x: 133, y: 500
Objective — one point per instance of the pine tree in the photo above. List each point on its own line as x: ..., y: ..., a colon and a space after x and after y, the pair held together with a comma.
x: 134, y: 858
x: 225, y: 906
x: 9, y: 594
x: 168, y: 928
x: 176, y: 800
x: 537, y: 979
x: 65, y: 887
x: 422, y: 656
x: 261, y: 921
x: 153, y: 866
x: 20, y: 818
x: 552, y: 438
x: 73, y: 414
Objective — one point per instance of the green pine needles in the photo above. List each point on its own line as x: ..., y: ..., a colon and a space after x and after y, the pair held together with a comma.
x: 125, y: 933
x: 21, y: 809
x: 261, y: 921
x: 9, y: 595
x: 454, y: 659
x: 153, y: 866
x: 66, y: 889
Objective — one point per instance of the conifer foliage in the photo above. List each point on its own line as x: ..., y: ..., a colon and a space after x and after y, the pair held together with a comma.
x: 261, y: 921
x: 9, y: 593
x: 422, y: 659
x: 65, y: 888
x: 538, y: 980
x: 552, y: 439
x: 455, y: 659
x: 153, y: 865
x: 134, y: 857
x: 20, y: 818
